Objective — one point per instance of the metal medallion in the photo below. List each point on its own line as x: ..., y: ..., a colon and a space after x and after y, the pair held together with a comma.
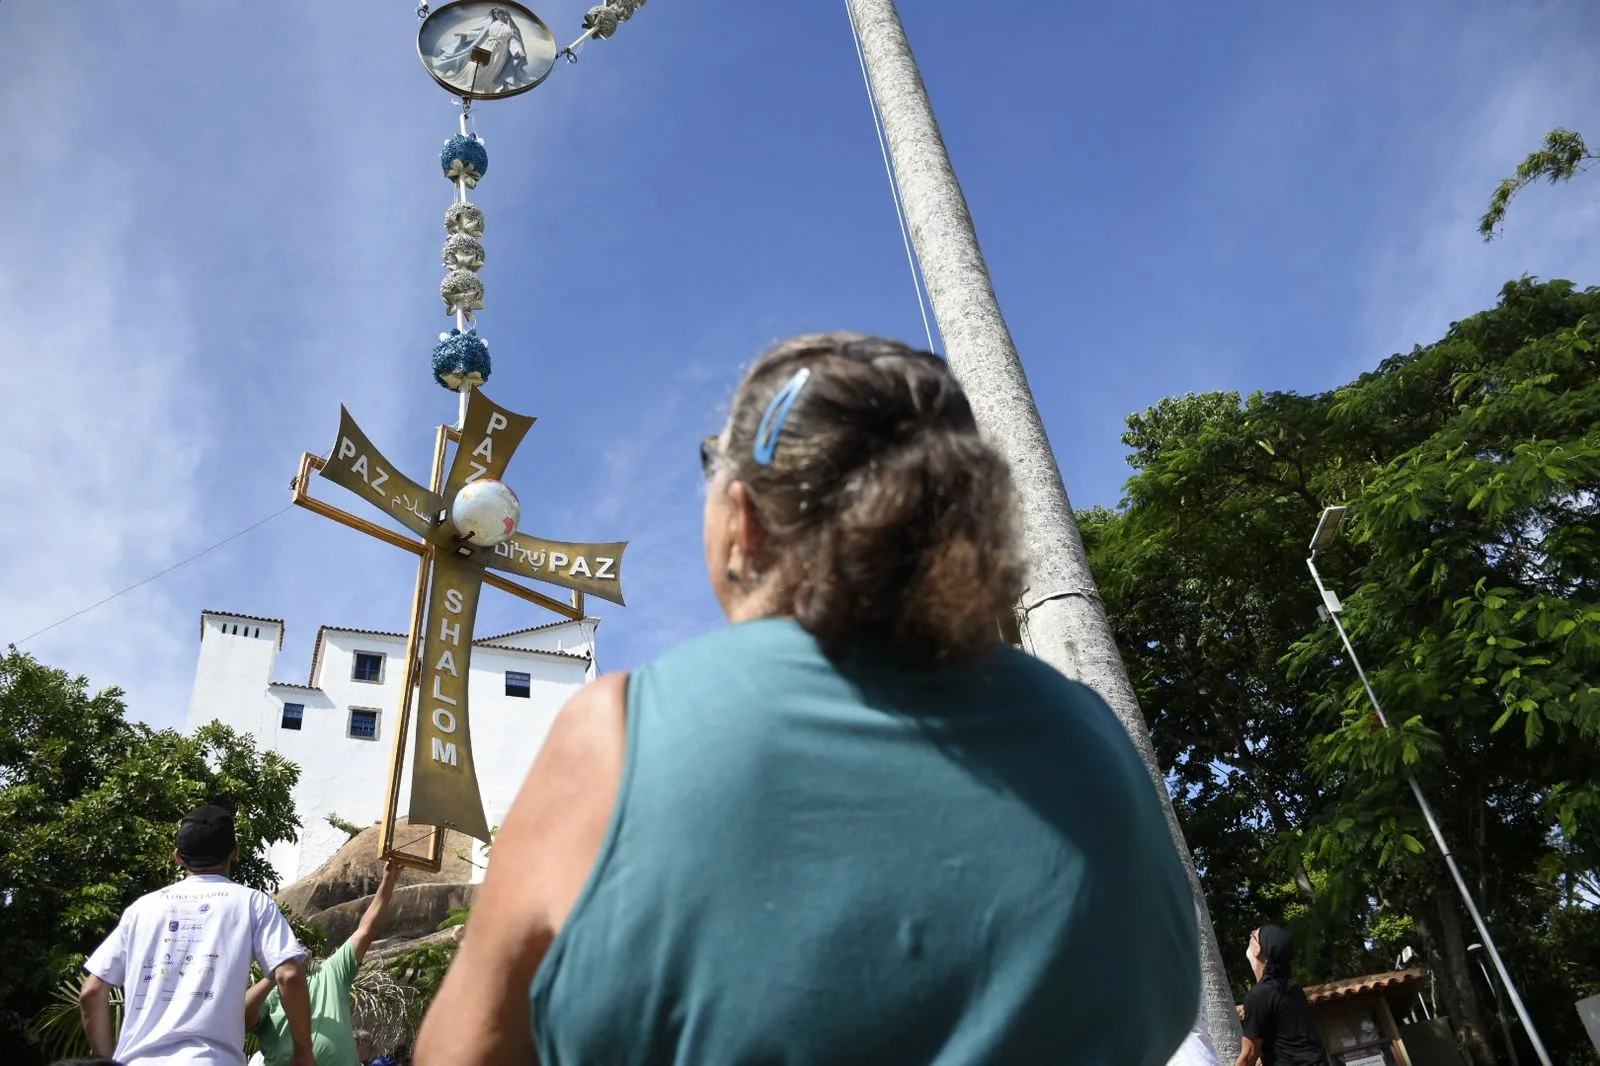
x: 486, y: 49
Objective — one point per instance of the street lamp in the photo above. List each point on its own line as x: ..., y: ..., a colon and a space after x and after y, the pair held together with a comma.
x: 1326, y: 535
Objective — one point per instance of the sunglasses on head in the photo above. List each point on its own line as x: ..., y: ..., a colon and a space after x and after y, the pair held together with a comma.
x: 766, y: 442
x: 710, y: 450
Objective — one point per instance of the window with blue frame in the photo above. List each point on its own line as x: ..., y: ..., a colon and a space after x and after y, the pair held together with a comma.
x: 293, y: 715
x: 363, y: 723
x: 518, y: 684
x: 368, y: 667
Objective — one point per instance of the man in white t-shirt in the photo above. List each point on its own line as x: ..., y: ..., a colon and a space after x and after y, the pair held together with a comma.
x: 182, y: 957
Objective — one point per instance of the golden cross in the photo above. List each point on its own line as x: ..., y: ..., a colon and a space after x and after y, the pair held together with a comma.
x: 450, y: 573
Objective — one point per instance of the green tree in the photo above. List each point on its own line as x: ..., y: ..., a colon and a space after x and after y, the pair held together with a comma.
x: 1196, y: 569
x: 1563, y: 157
x: 421, y: 971
x: 89, y: 805
x: 350, y: 829
x: 454, y: 917
x: 1471, y: 582
x: 1472, y: 472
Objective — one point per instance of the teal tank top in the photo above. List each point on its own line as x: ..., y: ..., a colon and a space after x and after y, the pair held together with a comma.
x: 818, y: 863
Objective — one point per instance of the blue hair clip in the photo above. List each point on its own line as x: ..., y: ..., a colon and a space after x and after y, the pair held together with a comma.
x: 777, y: 413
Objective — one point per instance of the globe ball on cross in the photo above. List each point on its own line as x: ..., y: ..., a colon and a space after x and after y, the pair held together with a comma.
x: 486, y: 511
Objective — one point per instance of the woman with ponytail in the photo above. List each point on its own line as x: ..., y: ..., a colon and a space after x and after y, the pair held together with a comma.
x: 853, y: 826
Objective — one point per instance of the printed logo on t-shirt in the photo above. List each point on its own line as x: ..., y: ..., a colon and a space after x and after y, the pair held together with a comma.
x: 182, y: 961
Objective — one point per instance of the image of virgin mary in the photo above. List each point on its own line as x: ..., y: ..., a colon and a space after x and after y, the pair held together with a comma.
x: 504, y: 69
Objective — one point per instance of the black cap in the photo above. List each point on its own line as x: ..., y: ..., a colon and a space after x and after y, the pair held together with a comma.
x: 205, y: 838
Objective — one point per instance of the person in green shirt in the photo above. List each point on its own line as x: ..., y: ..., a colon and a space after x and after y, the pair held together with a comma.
x: 332, y: 1032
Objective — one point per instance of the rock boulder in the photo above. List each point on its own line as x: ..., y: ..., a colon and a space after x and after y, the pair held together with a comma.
x: 415, y: 912
x: 385, y: 952
x: 354, y: 871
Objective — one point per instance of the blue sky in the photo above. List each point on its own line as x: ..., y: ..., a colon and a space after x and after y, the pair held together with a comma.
x: 222, y: 221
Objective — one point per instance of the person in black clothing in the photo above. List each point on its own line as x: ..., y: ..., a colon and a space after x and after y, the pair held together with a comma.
x: 1278, y: 1026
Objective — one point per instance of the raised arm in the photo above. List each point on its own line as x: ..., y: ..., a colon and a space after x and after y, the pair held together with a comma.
x: 542, y: 858
x: 377, y: 912
x: 94, y: 1007
x: 253, y: 1002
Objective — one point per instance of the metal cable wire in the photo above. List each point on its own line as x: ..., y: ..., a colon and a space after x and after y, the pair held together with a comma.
x: 894, y: 187
x: 162, y: 573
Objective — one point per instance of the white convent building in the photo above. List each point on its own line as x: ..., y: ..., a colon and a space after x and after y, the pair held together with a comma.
x: 337, y: 726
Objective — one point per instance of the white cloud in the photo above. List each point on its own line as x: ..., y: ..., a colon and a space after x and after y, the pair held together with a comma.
x: 236, y: 224
x: 208, y: 257
x: 102, y: 406
x: 1427, y: 266
x: 103, y: 434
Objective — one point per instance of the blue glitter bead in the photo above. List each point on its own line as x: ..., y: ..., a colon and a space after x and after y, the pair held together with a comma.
x: 464, y: 159
x: 460, y: 359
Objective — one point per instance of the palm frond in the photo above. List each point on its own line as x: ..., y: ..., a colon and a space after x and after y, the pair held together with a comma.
x: 59, y: 1027
x: 382, y: 1006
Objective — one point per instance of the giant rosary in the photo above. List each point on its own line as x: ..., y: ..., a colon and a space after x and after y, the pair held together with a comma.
x: 465, y: 517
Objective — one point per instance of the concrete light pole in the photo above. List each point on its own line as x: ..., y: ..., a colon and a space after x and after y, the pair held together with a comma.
x: 1063, y: 620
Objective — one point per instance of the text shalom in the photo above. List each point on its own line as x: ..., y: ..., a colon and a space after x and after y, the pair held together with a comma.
x: 444, y: 718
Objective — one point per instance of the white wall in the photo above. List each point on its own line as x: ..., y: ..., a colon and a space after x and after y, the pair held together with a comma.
x: 346, y: 776
x: 230, y: 682
x: 508, y: 732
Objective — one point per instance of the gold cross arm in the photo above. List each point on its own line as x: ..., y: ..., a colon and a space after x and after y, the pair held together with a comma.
x: 494, y: 434
x: 360, y: 467
x: 451, y: 570
x: 584, y: 568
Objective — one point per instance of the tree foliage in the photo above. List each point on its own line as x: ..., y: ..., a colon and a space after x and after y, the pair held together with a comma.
x: 453, y: 917
x: 1471, y: 469
x: 89, y: 806
x: 1563, y: 157
x: 350, y: 829
x: 57, y: 1030
x: 421, y: 971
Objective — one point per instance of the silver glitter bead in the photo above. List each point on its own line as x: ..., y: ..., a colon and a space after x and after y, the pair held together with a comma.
x: 462, y: 252
x: 466, y: 219
x: 462, y: 291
